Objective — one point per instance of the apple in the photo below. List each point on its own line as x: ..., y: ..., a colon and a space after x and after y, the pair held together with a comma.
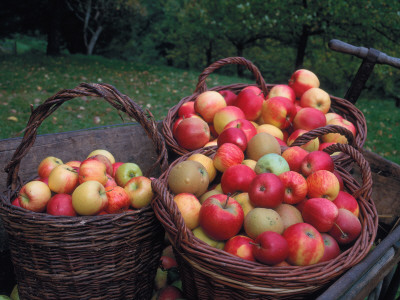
x: 227, y: 155
x: 229, y: 96
x: 271, y: 129
x: 255, y: 89
x: 45, y: 180
x: 139, y: 191
x: 63, y: 179
x: 186, y: 108
x: 118, y: 200
x: 91, y: 169
x: 321, y: 213
x: 310, y: 146
x: 126, y: 172
x: 346, y: 228
x: 316, y: 160
x: 237, y: 178
x: 244, y: 201
x: 180, y: 119
x: 192, y: 133
x: 207, y: 163
x: 266, y: 190
x: 262, y: 219
x: 169, y: 292
x: 211, y: 143
x: 74, y: 163
x: 116, y: 165
x: 347, y: 201
x: 247, y: 127
x: 221, y: 217
x: 226, y: 115
x: 323, y: 184
x: 104, y: 152
x: 306, y: 246
x: 289, y: 214
x: 241, y: 246
x: 260, y: 144
x: 168, y: 262
x: 278, y: 111
x: 102, y: 158
x: 47, y: 165
x: 160, y: 280
x: 331, y: 115
x: 15, y: 202
x: 270, y: 248
x: 110, y: 182
x: 294, y: 156
x: 34, y: 196
x: 60, y: 205
x: 208, y: 103
x: 89, y: 198
x: 309, y: 118
x: 340, y: 179
x: 295, y: 186
x: 233, y: 135
x: 271, y: 163
x: 317, y: 98
x: 282, y: 90
x: 337, y: 137
x: 332, y: 249
x: 302, y: 80
x: 189, y: 207
x: 201, y: 235
x: 250, y: 103
x: 249, y: 162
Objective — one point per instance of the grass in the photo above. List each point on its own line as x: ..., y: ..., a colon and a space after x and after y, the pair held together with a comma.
x: 29, y: 79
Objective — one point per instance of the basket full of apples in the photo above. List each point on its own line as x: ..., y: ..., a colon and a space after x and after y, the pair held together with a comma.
x: 286, y: 111
x: 84, y: 228
x: 254, y: 220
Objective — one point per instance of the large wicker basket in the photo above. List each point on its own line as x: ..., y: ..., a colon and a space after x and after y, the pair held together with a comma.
x: 112, y: 256
x: 210, y: 273
x: 338, y: 105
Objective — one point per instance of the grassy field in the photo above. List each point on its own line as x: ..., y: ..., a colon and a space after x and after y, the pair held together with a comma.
x: 30, y: 79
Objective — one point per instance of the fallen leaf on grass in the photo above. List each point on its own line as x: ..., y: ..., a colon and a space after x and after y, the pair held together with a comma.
x: 12, y: 118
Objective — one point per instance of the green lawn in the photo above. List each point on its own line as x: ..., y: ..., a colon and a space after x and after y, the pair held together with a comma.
x: 30, y: 79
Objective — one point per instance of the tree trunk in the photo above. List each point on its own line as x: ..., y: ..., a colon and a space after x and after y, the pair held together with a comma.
x: 301, y: 48
x: 93, y: 40
x: 53, y: 32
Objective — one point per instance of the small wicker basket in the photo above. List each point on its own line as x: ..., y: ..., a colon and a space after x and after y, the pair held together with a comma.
x: 210, y: 273
x: 112, y: 256
x: 338, y: 105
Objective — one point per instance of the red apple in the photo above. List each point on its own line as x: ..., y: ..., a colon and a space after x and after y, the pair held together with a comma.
x: 337, y: 137
x: 255, y: 89
x: 247, y: 127
x: 347, y: 227
x: 237, y: 178
x: 118, y: 200
x: 322, y: 146
x: 47, y: 165
x: 226, y: 115
x: 110, y: 182
x: 282, y: 90
x: 189, y: 207
x: 221, y: 217
x: 294, y: 156
x: 321, y: 213
x: 323, y: 184
x: 186, y: 108
x: 74, y: 163
x: 241, y: 246
x: 332, y: 249
x: 278, y: 111
x: 208, y: 103
x: 102, y: 158
x: 34, y: 196
x: 115, y: 167
x: 89, y: 198
x: 309, y: 118
x: 139, y: 191
x: 61, y: 205
x: 63, y: 179
x: 169, y: 292
x: 317, y: 98
x: 227, y: 155
x: 15, y: 202
x: 331, y: 115
x: 233, y: 135
x: 295, y: 187
x: 340, y: 179
x: 310, y: 146
x: 266, y: 190
x: 302, y: 80
x: 229, y: 96
x: 192, y: 133
x: 306, y: 246
x: 91, y: 169
x: 270, y: 248
x: 180, y: 119
x: 347, y: 201
x: 168, y: 262
x: 316, y: 160
x: 250, y: 103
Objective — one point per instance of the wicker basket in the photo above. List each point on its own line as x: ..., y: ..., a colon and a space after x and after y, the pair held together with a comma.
x: 338, y: 105
x: 111, y: 256
x: 210, y: 273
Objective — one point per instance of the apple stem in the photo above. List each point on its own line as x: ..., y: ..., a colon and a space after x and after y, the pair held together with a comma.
x: 227, y: 200
x: 344, y: 235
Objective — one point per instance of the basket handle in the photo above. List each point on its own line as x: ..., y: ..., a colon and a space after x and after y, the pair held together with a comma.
x: 318, y: 132
x: 202, y: 86
x: 119, y: 101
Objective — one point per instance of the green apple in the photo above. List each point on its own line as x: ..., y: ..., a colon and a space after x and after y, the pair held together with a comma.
x: 200, y: 234
x: 4, y: 297
x: 14, y: 294
x: 126, y: 172
x: 89, y: 198
x: 271, y: 163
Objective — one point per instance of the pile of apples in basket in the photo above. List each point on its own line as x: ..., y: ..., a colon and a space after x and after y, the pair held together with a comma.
x: 256, y: 197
